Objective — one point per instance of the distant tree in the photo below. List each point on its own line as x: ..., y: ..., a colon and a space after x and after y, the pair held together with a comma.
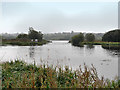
x: 90, y: 37
x: 32, y: 34
x: 112, y: 36
x: 22, y: 36
x: 72, y: 31
x: 77, y: 39
x: 40, y: 36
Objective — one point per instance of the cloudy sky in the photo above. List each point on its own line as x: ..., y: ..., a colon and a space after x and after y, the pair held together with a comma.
x: 50, y: 17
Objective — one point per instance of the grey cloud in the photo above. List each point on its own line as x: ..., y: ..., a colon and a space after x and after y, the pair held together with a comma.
x: 56, y: 21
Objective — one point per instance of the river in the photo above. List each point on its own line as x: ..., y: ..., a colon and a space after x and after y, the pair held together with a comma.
x: 63, y: 53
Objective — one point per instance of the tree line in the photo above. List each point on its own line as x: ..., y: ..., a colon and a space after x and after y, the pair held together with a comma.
x: 110, y: 36
x: 32, y: 35
x: 78, y: 39
x: 69, y: 35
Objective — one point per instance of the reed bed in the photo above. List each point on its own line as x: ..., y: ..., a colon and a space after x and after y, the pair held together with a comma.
x: 18, y: 74
x: 102, y: 43
x: 23, y: 42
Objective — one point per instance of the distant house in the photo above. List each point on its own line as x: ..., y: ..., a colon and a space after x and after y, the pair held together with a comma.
x: 32, y: 40
x: 36, y: 40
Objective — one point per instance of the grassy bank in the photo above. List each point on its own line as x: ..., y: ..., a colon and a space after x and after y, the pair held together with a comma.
x: 24, y: 43
x: 102, y: 43
x: 20, y: 75
x: 106, y: 45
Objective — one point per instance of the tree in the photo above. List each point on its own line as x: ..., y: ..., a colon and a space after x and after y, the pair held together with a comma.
x: 40, y: 36
x: 90, y: 37
x: 22, y: 36
x: 112, y: 36
x: 35, y: 34
x: 77, y: 39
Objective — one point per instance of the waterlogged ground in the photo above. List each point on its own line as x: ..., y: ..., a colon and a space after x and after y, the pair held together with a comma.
x: 63, y: 53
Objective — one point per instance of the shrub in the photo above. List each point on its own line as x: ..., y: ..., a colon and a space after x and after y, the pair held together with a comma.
x: 77, y: 39
x: 112, y: 36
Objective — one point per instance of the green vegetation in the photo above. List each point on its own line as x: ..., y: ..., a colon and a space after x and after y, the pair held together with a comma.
x: 32, y: 34
x: 20, y: 75
x: 22, y: 36
x: 105, y: 45
x: 80, y: 40
x: 77, y: 40
x: 110, y: 39
x: 23, y: 43
x: 90, y: 37
x: 69, y: 35
x: 32, y: 38
x: 102, y: 43
x: 114, y: 47
x: 111, y: 44
x: 112, y: 36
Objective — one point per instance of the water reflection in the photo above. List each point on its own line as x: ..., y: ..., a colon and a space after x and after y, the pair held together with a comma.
x: 31, y: 51
x: 90, y: 47
x: 32, y: 54
x: 111, y: 47
x: 113, y: 51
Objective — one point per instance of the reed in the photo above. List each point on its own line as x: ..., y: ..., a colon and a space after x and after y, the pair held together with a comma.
x: 18, y: 74
x: 23, y: 43
x: 102, y: 43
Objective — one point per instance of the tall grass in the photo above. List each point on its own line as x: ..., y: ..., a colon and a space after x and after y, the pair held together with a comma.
x: 23, y: 43
x: 20, y: 75
x: 102, y: 43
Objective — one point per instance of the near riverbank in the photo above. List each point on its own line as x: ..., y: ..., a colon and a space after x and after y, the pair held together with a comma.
x: 20, y: 75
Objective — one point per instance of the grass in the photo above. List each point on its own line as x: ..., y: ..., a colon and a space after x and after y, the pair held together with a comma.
x: 111, y: 47
x: 106, y: 45
x: 20, y: 75
x: 102, y: 43
x: 23, y: 43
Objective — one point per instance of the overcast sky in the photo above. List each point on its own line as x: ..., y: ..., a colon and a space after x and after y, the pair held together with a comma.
x: 50, y: 17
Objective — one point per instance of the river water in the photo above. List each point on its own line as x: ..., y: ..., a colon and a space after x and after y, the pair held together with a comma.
x: 63, y: 53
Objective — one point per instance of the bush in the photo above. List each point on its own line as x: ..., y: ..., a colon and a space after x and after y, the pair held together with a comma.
x: 112, y: 36
x: 77, y: 39
x: 90, y: 37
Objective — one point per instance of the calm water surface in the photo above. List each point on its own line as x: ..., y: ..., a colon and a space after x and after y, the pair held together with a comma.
x: 63, y: 53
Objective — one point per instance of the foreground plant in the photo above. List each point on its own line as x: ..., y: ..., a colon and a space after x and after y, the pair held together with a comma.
x: 20, y: 75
